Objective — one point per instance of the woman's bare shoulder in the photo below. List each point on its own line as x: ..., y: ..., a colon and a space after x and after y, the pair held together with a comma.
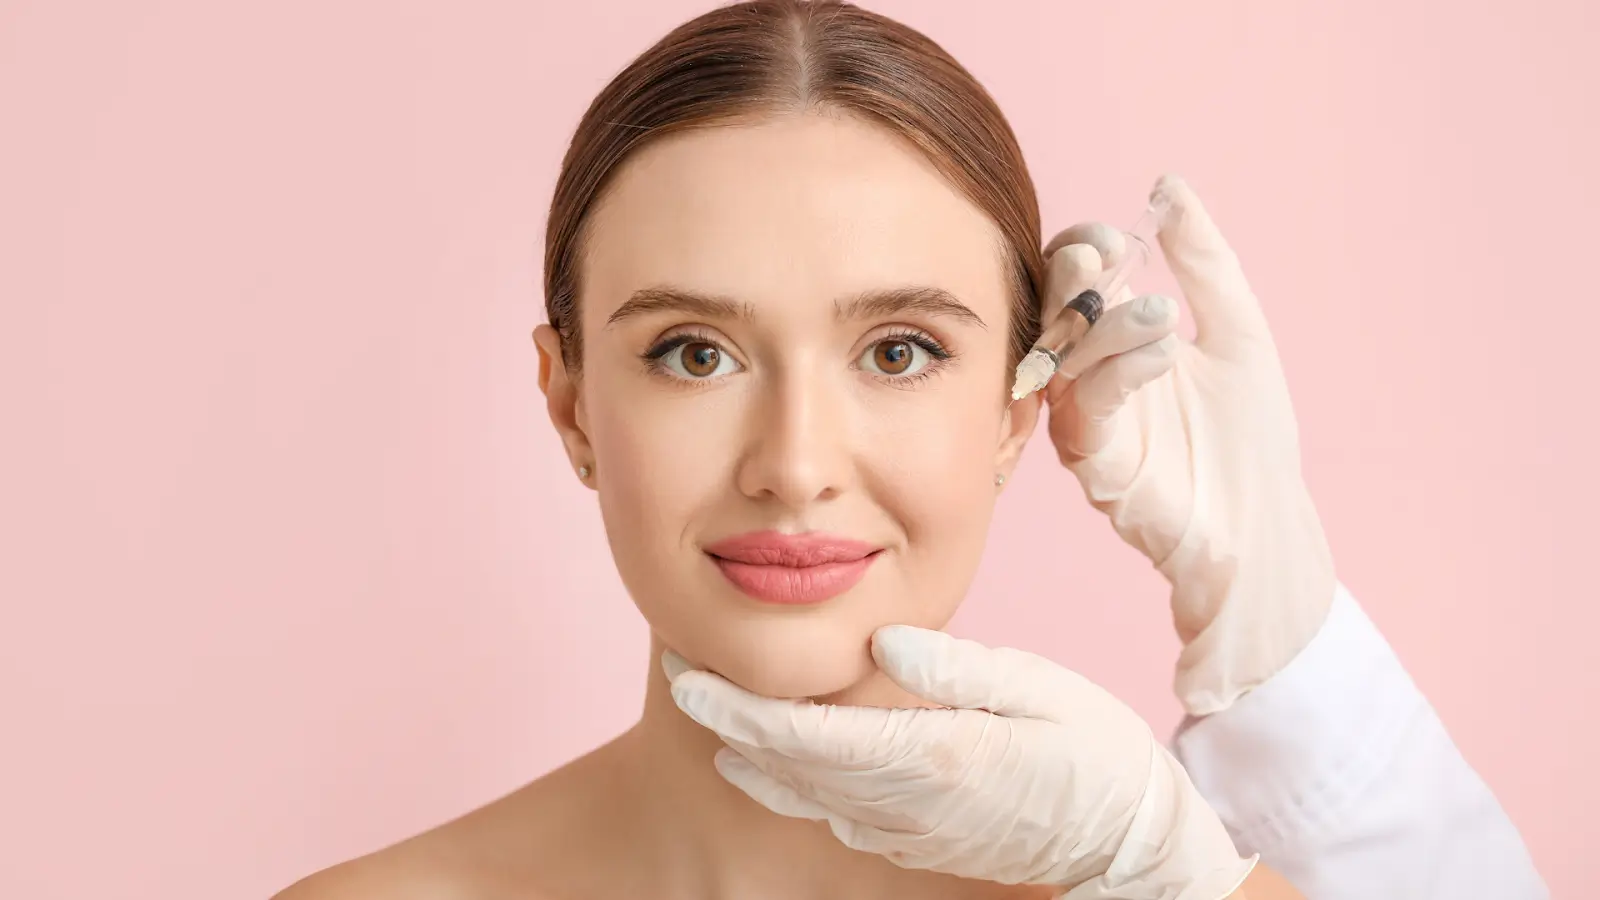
x: 528, y: 845
x: 385, y: 875
x: 456, y: 861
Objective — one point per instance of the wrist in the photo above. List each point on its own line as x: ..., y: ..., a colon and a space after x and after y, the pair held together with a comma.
x: 1176, y: 845
x: 1244, y: 612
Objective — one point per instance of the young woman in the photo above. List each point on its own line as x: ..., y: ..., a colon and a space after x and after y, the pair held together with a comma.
x: 792, y: 259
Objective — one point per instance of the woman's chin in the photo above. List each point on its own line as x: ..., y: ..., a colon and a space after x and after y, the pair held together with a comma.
x: 795, y: 676
x: 845, y: 681
x: 823, y: 654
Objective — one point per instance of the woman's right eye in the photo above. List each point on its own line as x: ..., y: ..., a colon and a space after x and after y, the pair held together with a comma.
x: 696, y: 359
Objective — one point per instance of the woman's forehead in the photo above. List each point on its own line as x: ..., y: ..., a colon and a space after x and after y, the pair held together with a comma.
x: 818, y: 206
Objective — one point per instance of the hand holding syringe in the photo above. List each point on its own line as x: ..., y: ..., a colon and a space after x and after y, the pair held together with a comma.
x: 1081, y: 312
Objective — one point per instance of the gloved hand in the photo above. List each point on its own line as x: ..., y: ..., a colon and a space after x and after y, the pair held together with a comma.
x: 1192, y: 451
x: 1032, y: 776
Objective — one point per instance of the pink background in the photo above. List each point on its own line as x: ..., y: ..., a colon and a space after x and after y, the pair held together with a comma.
x: 293, y: 564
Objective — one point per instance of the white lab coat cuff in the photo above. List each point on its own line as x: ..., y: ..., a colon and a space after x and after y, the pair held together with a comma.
x: 1341, y: 776
x: 1295, y: 751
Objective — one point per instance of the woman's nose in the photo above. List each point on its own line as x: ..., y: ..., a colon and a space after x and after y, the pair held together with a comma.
x: 797, y: 444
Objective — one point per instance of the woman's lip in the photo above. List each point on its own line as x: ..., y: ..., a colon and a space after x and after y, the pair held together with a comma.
x: 770, y: 548
x: 792, y: 568
x: 794, y: 585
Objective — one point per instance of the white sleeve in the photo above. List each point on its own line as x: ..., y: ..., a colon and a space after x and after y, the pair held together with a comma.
x: 1340, y: 774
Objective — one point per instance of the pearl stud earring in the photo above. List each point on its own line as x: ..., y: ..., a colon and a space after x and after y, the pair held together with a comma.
x: 999, y: 480
x: 583, y: 472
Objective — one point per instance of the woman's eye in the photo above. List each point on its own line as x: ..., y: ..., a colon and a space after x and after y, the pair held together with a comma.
x: 698, y: 360
x: 895, y: 356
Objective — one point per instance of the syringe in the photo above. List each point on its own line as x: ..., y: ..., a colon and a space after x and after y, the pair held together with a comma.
x: 1082, y: 311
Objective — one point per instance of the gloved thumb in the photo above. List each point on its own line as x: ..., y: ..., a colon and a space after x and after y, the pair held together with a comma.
x: 965, y: 674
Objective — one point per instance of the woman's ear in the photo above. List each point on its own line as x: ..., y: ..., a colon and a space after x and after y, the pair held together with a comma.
x: 1016, y: 426
x: 561, y: 398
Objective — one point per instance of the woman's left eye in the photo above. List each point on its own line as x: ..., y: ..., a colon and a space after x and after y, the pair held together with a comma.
x: 693, y: 359
x: 896, y: 357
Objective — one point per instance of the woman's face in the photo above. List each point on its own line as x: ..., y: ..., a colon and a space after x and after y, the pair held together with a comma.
x: 793, y: 393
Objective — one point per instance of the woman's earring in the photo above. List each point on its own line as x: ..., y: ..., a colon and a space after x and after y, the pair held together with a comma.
x: 583, y: 473
x: 999, y: 480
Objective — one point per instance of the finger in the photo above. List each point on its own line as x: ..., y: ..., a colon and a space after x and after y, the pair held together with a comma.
x: 893, y: 846
x: 841, y: 736
x: 1091, y: 407
x: 1109, y: 241
x: 1070, y: 271
x: 785, y: 800
x: 965, y: 674
x: 674, y: 665
x: 1206, y: 268
x: 766, y: 790
x: 1123, y: 328
x: 874, y: 797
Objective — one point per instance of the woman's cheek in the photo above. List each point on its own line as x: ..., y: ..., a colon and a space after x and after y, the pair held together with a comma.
x: 943, y: 437
x: 662, y: 455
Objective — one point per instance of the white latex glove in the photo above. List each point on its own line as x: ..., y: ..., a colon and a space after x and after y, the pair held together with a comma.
x: 1032, y: 776
x: 1192, y: 451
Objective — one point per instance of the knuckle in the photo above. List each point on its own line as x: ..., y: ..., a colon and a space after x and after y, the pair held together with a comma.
x: 1081, y: 255
x: 1155, y: 311
x: 1072, y: 262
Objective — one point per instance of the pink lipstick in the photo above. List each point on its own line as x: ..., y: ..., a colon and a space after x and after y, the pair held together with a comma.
x: 792, y: 568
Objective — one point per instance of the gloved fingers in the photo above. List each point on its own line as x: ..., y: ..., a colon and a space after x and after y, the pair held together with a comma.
x: 1069, y: 272
x: 1122, y: 328
x: 787, y: 801
x: 1074, y: 261
x: 878, y: 797
x: 967, y: 675
x: 673, y: 664
x: 1108, y: 240
x: 1102, y: 391
x: 888, y: 844
x: 767, y: 790
x: 841, y: 736
x: 1226, y: 311
x: 1083, y: 420
x: 912, y: 791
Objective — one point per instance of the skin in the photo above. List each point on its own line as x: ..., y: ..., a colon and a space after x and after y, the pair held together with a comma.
x: 804, y: 431
x: 800, y: 426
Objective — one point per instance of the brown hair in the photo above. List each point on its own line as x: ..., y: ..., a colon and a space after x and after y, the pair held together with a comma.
x: 768, y: 56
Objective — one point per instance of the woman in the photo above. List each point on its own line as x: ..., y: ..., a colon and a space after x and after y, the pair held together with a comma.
x: 792, y: 258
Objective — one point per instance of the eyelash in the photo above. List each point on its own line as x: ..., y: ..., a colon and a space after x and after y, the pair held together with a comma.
x: 658, y: 351
x: 942, y: 356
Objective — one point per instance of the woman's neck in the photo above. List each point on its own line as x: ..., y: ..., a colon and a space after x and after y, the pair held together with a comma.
x: 703, y: 838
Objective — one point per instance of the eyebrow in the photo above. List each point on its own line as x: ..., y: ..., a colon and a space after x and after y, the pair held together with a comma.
x: 929, y: 301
